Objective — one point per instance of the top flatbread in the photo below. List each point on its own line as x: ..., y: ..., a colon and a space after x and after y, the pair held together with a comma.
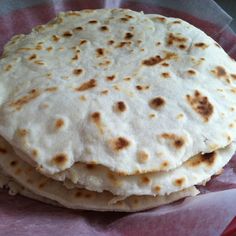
x: 133, y: 92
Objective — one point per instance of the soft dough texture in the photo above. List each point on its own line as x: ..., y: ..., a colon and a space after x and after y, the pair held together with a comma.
x: 28, y: 182
x: 133, y: 92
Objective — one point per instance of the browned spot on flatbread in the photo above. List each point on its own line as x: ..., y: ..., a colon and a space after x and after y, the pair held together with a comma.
x: 34, y: 153
x: 18, y: 104
x: 59, y: 123
x: 145, y: 180
x: 201, y: 105
x: 32, y: 57
x: 42, y: 185
x: 128, y: 35
x: 179, y: 182
x: 90, y: 166
x: 176, y: 141
x: 96, y: 118
x: 110, y: 42
x: 157, y: 189
x: 142, y: 156
x: 83, y: 41
x: 191, y: 72
x: 120, y: 106
x: 78, y: 28
x: 157, y: 103
x: 172, y: 39
x: 22, y: 132
x: 206, y: 158
x: 220, y: 71
x: 142, y: 87
x: 87, y: 85
x: 7, y: 67
x: 93, y: 22
x: 176, y: 22
x: 100, y: 52
x: 60, y: 160
x: 55, y: 38
x: 233, y: 76
x: 67, y: 34
x: 165, y: 75
x: 111, y: 77
x: 159, y: 18
x: 201, y: 45
x: 104, y: 28
x: 164, y: 164
x: 51, y: 89
x: 77, y: 72
x: 152, y: 61
x: 119, y: 144
x: 123, y: 44
x: 13, y: 163
x: 3, y: 150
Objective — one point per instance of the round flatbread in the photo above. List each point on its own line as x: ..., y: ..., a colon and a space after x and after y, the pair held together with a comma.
x: 30, y: 183
x: 132, y: 92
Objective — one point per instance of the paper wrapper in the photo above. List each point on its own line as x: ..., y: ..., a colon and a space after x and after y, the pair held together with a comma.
x: 207, y: 214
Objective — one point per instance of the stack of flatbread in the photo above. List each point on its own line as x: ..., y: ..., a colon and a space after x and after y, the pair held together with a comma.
x: 114, y: 110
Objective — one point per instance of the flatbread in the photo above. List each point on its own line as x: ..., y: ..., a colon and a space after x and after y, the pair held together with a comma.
x: 41, y: 186
x: 194, y: 171
x: 133, y: 92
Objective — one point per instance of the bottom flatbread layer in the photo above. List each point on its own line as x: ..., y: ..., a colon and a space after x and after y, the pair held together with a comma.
x: 35, y: 184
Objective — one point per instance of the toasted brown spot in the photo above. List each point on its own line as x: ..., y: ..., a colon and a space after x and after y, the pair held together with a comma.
x: 201, y: 105
x: 159, y: 18
x: 165, y: 64
x: 201, y: 45
x: 128, y: 35
x: 79, y: 28
x: 104, y: 28
x: 8, y: 67
x: 180, y: 116
x: 152, y: 61
x: 158, y: 43
x: 104, y: 63
x: 220, y: 71
x: 83, y: 41
x: 191, y: 72
x: 152, y: 115
x: 49, y: 49
x: 78, y: 194
x: 34, y: 152
x: 104, y: 92
x: 176, y: 141
x: 165, y: 75
x: 67, y: 34
x: 75, y: 57
x: 96, y: 118
x: 142, y: 87
x: 59, y: 123
x: 123, y: 19
x: 39, y: 46
x: 179, y: 182
x: 145, y: 180
x: 127, y: 78
x: 119, y: 144
x: 90, y: 166
x: 39, y: 62
x: 182, y: 46
x: 110, y: 42
x: 207, y: 158
x: 3, y: 150
x: 13, y: 163
x: 87, y: 85
x: 82, y: 98
x: 157, y: 189
x: 111, y: 176
x: 233, y: 76
x: 93, y: 22
x: 51, y: 89
x: 42, y: 185
x: 77, y: 71
x: 142, y: 157
x: 175, y: 39
x: 33, y: 56
x: 22, y: 132
x: 157, y: 103
x: 60, y: 159
x: 164, y: 164
x: 176, y: 22
x: 100, y: 52
x: 18, y: 104
x: 120, y: 106
x: 87, y: 195
x: 55, y: 38
x: 123, y: 44
x: 111, y: 77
